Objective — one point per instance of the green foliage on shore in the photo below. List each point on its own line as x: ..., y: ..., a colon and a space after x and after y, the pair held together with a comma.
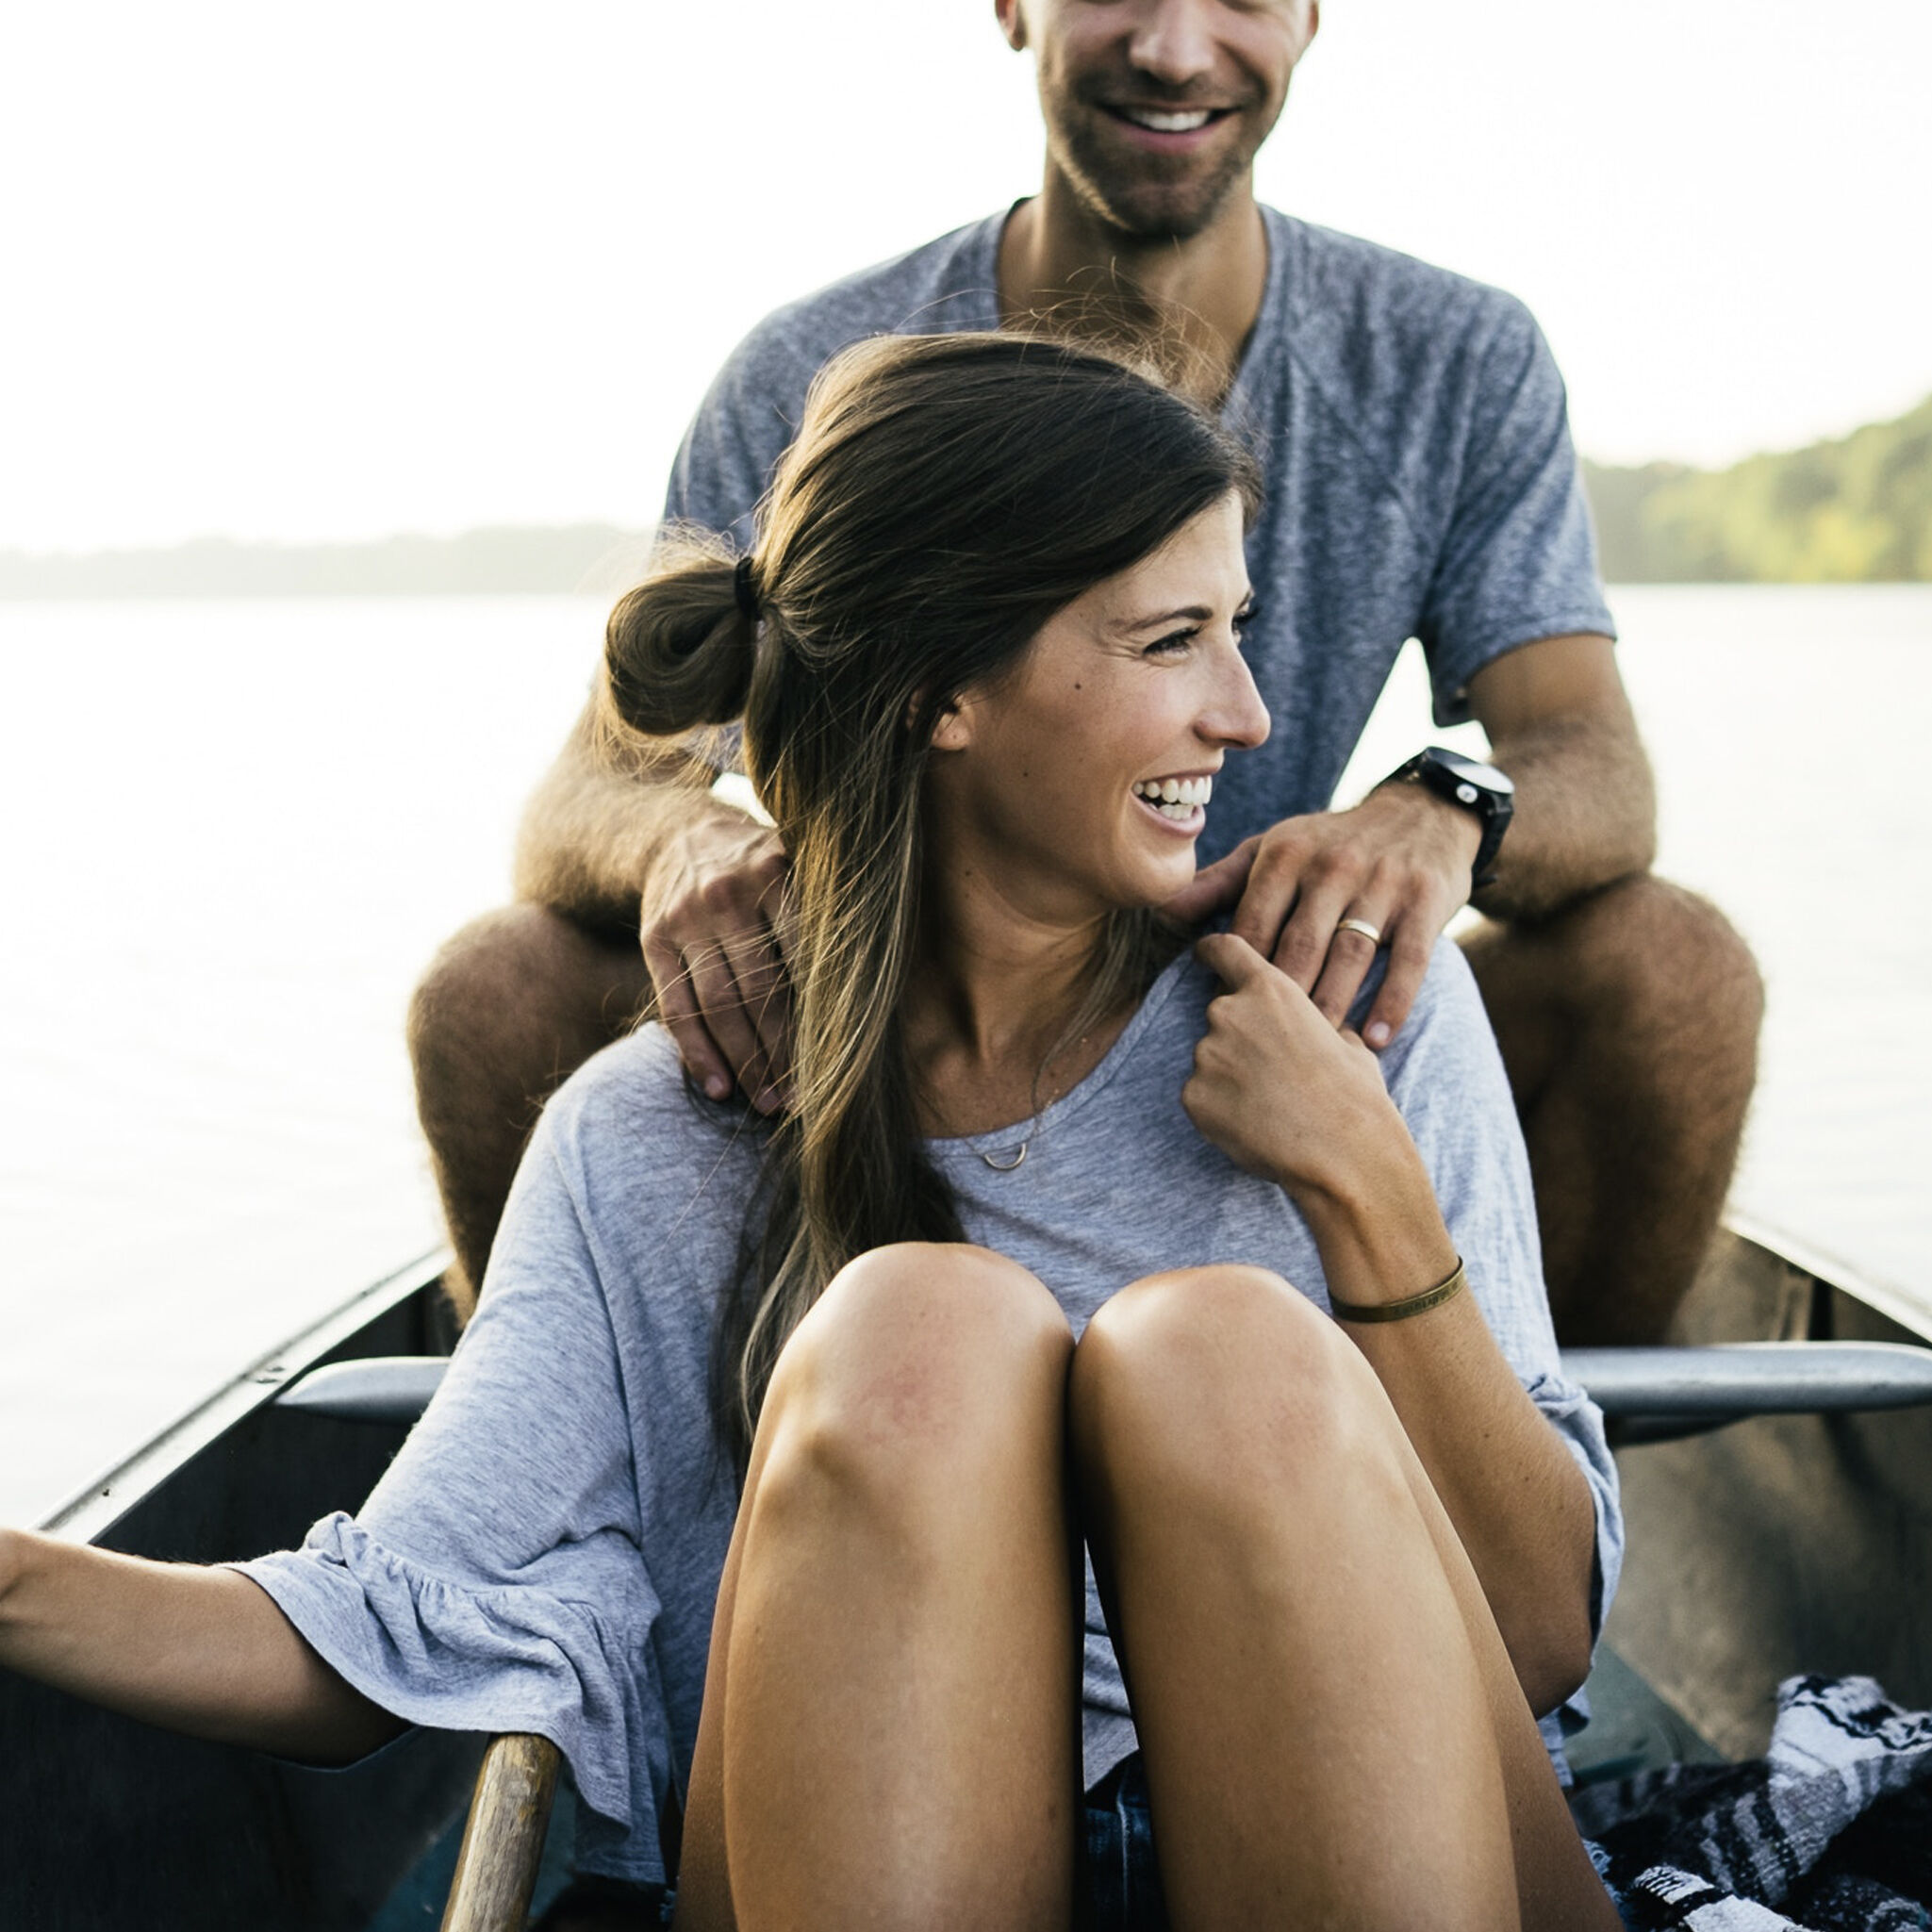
x: 1858, y: 511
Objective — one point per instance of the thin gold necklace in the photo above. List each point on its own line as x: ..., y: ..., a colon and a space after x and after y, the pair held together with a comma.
x: 1040, y: 1106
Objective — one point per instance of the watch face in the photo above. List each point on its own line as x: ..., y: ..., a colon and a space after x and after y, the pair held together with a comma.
x: 1475, y: 777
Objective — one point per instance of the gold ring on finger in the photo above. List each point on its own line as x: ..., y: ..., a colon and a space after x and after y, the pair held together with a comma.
x: 1372, y: 934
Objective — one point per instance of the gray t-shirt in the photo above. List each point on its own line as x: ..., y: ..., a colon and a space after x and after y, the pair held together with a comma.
x: 1415, y: 443
x: 544, y: 1554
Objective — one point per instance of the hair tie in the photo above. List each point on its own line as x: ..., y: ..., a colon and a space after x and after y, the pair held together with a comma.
x: 744, y: 589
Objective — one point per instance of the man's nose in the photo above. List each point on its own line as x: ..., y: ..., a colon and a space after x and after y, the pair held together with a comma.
x: 1173, y: 41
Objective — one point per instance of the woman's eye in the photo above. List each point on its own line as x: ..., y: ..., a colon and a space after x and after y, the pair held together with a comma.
x: 1174, y: 643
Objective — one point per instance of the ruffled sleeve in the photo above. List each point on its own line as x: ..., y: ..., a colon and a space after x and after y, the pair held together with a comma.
x: 511, y: 1656
x: 496, y: 1580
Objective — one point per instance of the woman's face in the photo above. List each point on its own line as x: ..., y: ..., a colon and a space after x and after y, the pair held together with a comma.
x: 1080, y: 782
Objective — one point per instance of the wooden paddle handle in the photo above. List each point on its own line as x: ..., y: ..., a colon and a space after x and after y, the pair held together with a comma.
x: 503, y: 1842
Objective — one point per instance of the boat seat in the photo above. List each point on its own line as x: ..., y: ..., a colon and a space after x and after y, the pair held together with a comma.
x: 1648, y: 1393
x: 372, y: 1388
x: 1655, y: 1394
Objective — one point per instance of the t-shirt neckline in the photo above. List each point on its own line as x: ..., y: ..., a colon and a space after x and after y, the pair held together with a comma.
x: 1278, y: 232
x: 1002, y: 1140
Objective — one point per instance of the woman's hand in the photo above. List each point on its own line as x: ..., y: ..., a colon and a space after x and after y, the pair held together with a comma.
x: 1284, y: 1095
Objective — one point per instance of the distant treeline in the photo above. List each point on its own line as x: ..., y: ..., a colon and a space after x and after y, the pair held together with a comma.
x: 1853, y: 512
x: 574, y: 557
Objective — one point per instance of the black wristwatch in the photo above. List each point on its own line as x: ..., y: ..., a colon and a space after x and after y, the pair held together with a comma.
x: 1481, y: 789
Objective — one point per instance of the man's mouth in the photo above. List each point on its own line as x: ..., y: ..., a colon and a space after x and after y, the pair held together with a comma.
x: 1168, y: 120
x: 1174, y: 798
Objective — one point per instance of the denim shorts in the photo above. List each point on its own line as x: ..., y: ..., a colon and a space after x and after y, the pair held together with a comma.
x: 1120, y: 1878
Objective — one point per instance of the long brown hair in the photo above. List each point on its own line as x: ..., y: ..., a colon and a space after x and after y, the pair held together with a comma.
x: 945, y: 496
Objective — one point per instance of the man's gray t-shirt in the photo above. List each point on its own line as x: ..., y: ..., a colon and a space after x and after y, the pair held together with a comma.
x: 1415, y: 447
x: 544, y: 1554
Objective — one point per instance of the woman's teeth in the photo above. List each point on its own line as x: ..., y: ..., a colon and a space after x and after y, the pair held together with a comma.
x: 1174, y: 798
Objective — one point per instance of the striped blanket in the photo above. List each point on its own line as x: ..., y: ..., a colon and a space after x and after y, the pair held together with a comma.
x: 1830, y: 1832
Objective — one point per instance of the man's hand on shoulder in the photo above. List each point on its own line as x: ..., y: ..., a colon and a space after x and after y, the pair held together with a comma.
x: 710, y: 921
x: 1560, y: 724
x: 1399, y: 863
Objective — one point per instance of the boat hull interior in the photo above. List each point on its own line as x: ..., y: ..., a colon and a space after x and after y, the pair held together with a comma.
x: 113, y: 1823
x: 1777, y: 1545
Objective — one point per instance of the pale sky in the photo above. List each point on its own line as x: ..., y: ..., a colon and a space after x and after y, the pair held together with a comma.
x: 322, y: 273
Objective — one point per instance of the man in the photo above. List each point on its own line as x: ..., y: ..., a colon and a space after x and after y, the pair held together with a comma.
x: 1421, y: 480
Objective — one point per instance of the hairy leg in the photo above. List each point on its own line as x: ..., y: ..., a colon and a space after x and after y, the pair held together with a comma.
x: 890, y: 1727
x: 1628, y: 1025
x: 1332, y: 1733
x: 509, y: 1008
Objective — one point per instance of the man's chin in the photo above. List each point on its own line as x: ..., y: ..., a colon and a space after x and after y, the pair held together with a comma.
x: 1151, y: 226
x: 1150, y: 213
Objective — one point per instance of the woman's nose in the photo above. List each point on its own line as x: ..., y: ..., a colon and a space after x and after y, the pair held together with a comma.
x: 1238, y: 717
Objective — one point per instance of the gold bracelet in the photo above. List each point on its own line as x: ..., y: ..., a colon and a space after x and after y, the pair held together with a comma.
x: 1400, y: 1311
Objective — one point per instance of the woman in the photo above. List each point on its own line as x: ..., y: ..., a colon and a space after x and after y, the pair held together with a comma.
x: 758, y: 1481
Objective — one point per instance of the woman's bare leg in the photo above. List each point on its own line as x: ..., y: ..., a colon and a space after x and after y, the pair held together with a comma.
x: 890, y: 1733
x: 1556, y: 1885
x: 1331, y: 1739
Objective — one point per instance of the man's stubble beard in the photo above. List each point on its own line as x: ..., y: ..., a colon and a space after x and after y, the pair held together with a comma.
x: 1136, y: 202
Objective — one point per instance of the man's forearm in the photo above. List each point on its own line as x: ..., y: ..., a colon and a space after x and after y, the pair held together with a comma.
x: 596, y: 823
x: 1586, y: 814
x: 1560, y: 723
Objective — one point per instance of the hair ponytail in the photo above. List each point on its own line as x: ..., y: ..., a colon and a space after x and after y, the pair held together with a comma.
x: 679, y: 649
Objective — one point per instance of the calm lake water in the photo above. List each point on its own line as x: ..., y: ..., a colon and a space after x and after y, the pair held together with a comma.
x: 234, y: 832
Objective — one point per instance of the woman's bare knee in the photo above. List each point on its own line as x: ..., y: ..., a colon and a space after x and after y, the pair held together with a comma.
x: 1227, y: 1378
x: 920, y: 1364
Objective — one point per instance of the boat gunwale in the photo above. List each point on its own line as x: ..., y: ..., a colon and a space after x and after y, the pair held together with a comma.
x: 89, y: 1512
x: 1887, y: 1298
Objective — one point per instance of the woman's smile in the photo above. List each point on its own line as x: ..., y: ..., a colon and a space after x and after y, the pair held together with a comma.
x: 1179, y: 802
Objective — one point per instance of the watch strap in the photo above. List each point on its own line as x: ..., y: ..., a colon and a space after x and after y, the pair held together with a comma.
x: 1491, y: 808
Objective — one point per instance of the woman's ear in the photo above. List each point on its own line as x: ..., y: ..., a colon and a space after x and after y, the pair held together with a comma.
x: 953, y: 729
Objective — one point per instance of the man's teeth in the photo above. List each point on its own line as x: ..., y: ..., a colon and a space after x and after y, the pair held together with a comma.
x: 1168, y: 123
x: 1174, y: 798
